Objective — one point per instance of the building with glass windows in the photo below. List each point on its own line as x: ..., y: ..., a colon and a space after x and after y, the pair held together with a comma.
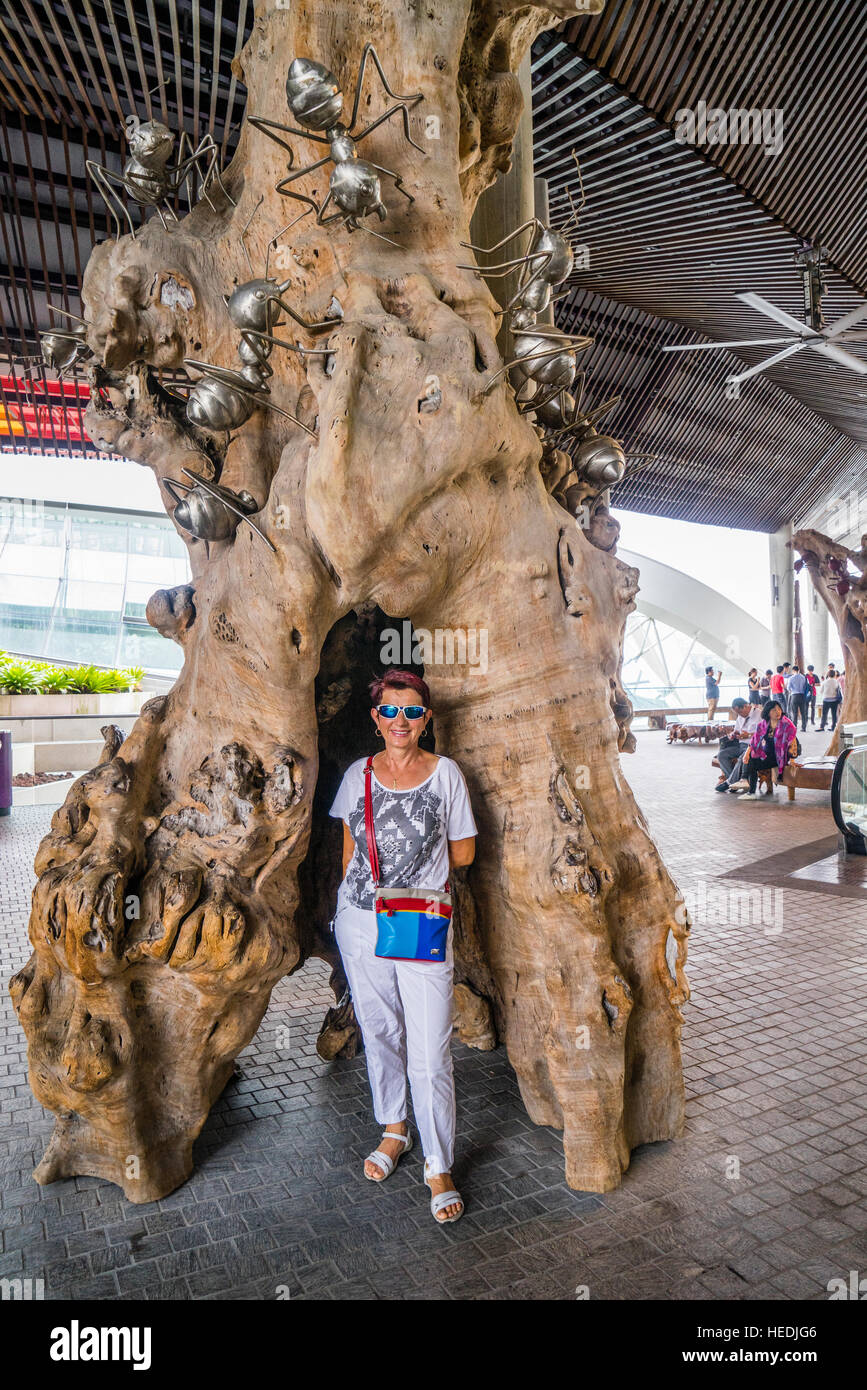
x: 83, y: 545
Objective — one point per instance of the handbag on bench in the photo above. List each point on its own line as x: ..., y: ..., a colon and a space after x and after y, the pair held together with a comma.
x: 411, y: 923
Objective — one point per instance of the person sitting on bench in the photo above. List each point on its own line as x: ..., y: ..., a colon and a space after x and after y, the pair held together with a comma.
x: 731, y: 750
x: 771, y: 746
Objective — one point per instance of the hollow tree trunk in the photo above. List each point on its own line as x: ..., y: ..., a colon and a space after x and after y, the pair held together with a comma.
x: 196, y: 865
x: 845, y: 596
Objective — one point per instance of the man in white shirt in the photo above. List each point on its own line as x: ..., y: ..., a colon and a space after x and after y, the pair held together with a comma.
x: 730, y: 755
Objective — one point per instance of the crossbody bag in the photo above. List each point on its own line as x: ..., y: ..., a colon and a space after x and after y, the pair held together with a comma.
x: 411, y: 923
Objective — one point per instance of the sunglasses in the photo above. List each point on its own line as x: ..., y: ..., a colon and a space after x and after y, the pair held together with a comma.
x: 392, y: 711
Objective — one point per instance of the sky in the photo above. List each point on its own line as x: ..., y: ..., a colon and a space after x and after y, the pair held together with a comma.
x: 735, y: 563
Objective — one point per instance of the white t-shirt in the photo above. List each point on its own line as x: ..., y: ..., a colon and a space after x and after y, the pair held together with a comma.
x: 830, y: 688
x: 412, y: 830
x: 750, y: 722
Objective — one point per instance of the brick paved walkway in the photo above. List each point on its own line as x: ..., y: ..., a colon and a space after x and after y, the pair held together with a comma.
x: 763, y: 1197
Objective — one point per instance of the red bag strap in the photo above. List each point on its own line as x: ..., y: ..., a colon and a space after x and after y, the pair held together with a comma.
x: 368, y: 823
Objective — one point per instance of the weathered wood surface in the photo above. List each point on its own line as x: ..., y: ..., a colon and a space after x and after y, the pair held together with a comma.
x: 212, y: 813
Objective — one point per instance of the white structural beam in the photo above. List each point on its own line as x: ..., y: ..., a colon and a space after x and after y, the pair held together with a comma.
x: 711, y: 619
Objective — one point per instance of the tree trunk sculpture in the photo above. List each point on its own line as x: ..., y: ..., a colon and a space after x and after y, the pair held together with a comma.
x: 196, y: 864
x: 830, y: 565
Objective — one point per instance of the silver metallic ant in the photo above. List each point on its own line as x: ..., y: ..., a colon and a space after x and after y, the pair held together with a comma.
x: 224, y: 398
x: 546, y: 263
x: 149, y: 178
x: 316, y: 102
x: 60, y: 349
x: 210, y: 512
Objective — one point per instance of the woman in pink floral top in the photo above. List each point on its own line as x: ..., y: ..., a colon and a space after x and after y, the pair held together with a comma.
x: 771, y: 745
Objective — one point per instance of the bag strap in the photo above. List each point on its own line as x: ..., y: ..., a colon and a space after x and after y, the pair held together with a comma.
x: 368, y: 823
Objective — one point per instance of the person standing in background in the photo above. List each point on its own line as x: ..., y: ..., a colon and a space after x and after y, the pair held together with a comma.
x: 776, y: 683
x: 798, y: 688
x: 754, y: 694
x: 813, y: 682
x: 765, y: 685
x: 711, y: 690
x: 831, y: 698
x: 784, y: 693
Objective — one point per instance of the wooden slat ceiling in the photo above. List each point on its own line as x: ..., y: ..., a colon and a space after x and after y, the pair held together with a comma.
x: 671, y: 239
x: 673, y: 231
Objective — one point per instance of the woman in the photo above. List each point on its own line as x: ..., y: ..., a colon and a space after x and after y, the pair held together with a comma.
x: 831, y: 699
x: 771, y: 746
x: 711, y: 689
x: 754, y: 694
x: 423, y: 823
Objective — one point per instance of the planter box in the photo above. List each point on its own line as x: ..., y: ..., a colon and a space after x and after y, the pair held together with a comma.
x: 26, y: 706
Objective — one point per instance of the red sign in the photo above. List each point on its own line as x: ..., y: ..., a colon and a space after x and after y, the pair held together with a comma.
x: 36, y: 410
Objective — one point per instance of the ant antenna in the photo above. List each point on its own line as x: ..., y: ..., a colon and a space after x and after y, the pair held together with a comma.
x: 575, y: 211
x: 244, y: 233
x: 55, y: 309
x: 381, y: 237
x: 277, y: 236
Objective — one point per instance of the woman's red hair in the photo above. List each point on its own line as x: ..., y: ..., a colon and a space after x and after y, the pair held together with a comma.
x: 399, y: 680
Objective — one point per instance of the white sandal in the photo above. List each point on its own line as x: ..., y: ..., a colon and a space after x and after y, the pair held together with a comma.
x: 383, y: 1161
x: 443, y: 1199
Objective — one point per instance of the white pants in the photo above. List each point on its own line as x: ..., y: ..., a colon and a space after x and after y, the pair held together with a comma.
x: 405, y: 1011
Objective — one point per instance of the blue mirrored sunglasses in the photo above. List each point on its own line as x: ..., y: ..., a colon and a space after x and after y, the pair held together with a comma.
x: 392, y: 711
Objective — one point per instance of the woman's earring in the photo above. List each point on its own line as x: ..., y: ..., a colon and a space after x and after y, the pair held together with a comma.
x: 379, y: 733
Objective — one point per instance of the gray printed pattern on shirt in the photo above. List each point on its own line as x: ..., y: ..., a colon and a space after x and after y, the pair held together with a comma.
x: 408, y: 828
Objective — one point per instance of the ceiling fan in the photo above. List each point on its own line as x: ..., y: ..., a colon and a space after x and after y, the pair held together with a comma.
x: 813, y: 333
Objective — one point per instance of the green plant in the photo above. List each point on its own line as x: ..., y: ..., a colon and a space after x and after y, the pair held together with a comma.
x: 129, y: 677
x: 90, y: 680
x: 54, y: 680
x: 20, y: 678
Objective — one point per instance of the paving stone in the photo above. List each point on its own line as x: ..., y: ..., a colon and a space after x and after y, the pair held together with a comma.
x: 278, y: 1198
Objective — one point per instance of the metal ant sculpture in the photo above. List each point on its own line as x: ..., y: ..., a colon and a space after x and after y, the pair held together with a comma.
x: 224, y: 399
x: 543, y: 355
x: 599, y: 458
x: 316, y: 102
x: 61, y: 349
x: 148, y: 177
x: 547, y: 262
x: 210, y: 512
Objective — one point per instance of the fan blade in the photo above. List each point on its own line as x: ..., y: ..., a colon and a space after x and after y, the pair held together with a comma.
x: 768, y: 362
x: 765, y: 306
x: 751, y: 342
x: 841, y: 357
x: 847, y: 321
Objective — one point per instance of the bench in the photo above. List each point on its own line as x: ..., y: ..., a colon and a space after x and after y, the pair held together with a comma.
x: 812, y: 774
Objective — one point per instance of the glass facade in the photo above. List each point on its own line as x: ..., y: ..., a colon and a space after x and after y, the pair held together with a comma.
x: 664, y: 668
x: 75, y: 581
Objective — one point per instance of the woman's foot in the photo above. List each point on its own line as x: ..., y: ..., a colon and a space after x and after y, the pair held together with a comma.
x: 443, y: 1183
x: 392, y: 1148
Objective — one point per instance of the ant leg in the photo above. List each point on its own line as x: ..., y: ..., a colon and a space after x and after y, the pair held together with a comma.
x: 302, y: 197
x: 384, y: 117
x: 370, y: 52
x: 266, y: 128
x: 602, y: 409
x: 102, y: 178
x: 533, y: 222
x: 324, y: 323
x: 497, y: 272
x: 308, y: 169
x: 320, y: 218
x: 398, y: 181
x: 207, y: 145
x: 534, y: 357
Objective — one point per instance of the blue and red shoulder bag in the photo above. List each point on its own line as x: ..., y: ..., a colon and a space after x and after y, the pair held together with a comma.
x: 412, y: 923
